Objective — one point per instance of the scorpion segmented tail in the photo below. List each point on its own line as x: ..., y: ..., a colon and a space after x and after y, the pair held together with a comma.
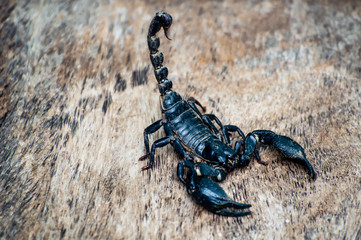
x: 160, y: 20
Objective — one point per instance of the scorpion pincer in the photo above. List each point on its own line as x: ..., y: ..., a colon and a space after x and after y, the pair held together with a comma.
x: 205, y: 149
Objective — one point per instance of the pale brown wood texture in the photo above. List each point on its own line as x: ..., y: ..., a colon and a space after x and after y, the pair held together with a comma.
x: 77, y: 90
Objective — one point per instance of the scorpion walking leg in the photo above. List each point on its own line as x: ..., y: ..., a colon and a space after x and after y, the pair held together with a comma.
x: 157, y: 144
x: 243, y: 159
x: 231, y: 128
x: 160, y: 142
x: 249, y: 146
x: 193, y: 101
x: 207, y: 118
x: 180, y: 170
x: 285, y: 145
x: 149, y: 130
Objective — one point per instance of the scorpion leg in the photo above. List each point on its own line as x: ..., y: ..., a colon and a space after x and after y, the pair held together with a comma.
x: 226, y: 129
x: 243, y: 159
x: 157, y: 144
x: 161, y: 143
x: 231, y: 128
x: 180, y: 170
x: 211, y: 196
x: 205, y: 117
x: 193, y: 101
x: 285, y: 145
x: 149, y: 130
x: 208, y: 118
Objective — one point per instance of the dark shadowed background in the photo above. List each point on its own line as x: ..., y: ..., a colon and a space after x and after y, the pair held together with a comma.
x: 77, y: 90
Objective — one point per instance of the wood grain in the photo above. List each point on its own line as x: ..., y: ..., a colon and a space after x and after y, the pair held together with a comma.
x: 77, y: 91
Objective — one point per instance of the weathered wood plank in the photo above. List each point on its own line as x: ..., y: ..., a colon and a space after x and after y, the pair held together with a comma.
x: 77, y: 90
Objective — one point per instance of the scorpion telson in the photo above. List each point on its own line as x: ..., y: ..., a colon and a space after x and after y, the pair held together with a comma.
x: 204, y: 148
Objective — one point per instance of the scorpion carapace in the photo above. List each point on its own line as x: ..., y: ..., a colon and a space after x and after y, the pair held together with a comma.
x: 204, y: 148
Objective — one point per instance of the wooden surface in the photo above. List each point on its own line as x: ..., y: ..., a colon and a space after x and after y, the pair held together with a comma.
x: 77, y: 91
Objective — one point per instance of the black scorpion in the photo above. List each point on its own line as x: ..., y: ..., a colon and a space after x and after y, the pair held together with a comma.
x: 205, y: 149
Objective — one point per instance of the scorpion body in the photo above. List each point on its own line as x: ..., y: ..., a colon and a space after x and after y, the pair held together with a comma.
x: 205, y: 149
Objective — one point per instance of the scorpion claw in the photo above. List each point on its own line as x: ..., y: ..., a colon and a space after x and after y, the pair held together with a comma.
x: 212, y: 197
x: 229, y: 213
x: 287, y: 146
x: 293, y: 151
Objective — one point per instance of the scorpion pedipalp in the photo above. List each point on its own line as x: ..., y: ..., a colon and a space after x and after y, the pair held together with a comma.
x: 289, y: 148
x: 211, y: 196
x: 206, y: 192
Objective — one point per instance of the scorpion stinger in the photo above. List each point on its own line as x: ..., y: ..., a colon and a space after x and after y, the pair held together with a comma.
x: 206, y: 150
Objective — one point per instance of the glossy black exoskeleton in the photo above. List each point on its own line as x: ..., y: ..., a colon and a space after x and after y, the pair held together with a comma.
x: 205, y: 149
